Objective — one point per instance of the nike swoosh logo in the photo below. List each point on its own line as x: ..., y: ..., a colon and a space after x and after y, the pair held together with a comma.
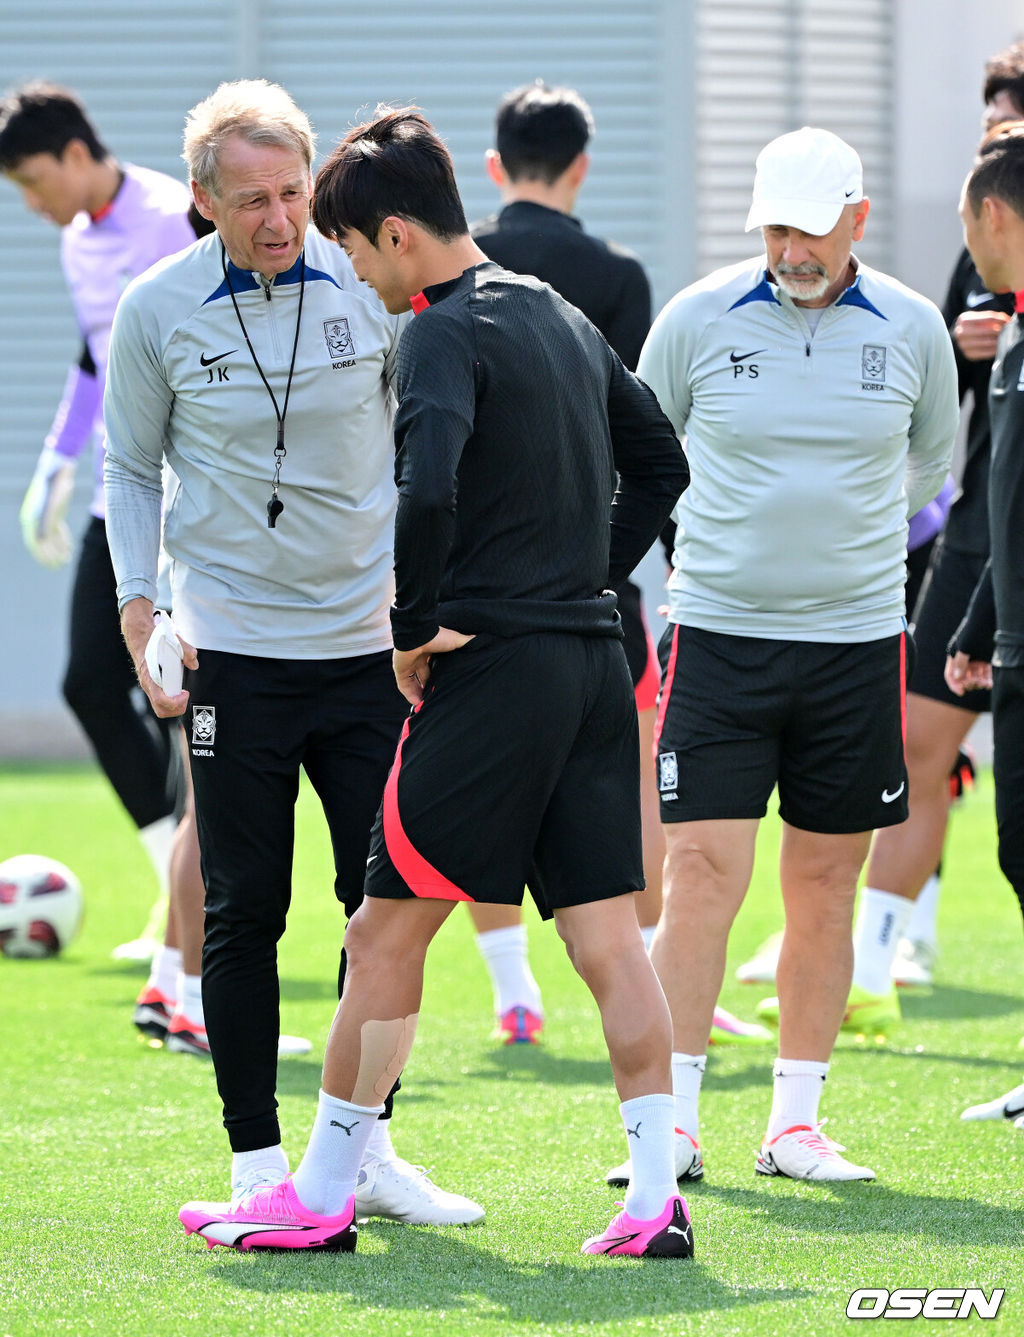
x: 205, y: 361
x: 850, y: 192
x: 974, y: 299
x: 891, y: 798
x: 742, y: 357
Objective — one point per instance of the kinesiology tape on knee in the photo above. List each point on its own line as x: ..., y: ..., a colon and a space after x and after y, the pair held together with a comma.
x: 383, y: 1049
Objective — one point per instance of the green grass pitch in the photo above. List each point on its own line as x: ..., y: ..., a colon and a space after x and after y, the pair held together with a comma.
x: 103, y: 1137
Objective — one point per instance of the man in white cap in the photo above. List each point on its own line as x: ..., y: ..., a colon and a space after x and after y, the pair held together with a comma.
x: 818, y: 403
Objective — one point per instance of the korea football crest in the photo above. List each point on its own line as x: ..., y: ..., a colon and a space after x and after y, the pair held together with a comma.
x: 204, y: 730
x: 340, y: 344
x: 872, y: 366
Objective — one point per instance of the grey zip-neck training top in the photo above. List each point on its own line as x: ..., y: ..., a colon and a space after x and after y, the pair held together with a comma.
x: 807, y: 451
x: 182, y: 383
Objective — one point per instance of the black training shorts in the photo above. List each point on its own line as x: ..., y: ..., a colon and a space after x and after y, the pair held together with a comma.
x: 825, y: 722
x: 947, y: 591
x: 520, y: 767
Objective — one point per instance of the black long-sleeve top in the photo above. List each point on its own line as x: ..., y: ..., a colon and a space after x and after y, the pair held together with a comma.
x: 605, y: 281
x: 967, y: 526
x: 994, y: 626
x: 514, y: 418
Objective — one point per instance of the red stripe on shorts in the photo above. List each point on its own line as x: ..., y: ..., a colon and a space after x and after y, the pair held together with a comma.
x: 903, y: 686
x: 419, y: 875
x: 666, y: 689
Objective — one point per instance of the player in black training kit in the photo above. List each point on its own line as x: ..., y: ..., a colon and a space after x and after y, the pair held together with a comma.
x: 520, y: 757
x: 988, y: 647
x: 539, y: 163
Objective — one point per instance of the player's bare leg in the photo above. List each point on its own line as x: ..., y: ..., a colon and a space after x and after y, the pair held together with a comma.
x: 818, y: 874
x: 904, y: 857
x: 708, y: 868
x: 819, y: 884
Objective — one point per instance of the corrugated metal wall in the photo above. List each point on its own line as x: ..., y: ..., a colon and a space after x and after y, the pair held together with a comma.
x: 684, y: 93
x: 764, y: 68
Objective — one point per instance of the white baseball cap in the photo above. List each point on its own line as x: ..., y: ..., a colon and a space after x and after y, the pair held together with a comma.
x: 804, y: 180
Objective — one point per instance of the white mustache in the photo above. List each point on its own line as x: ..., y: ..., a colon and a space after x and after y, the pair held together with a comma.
x: 808, y: 267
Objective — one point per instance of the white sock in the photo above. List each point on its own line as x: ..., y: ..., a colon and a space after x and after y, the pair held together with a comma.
x: 164, y: 972
x: 504, y: 951
x: 379, y: 1146
x: 796, y: 1093
x: 190, y: 998
x: 647, y: 932
x: 923, y: 923
x: 687, y: 1075
x: 248, y: 1165
x: 157, y: 839
x: 652, y: 1181
x: 881, y: 919
x: 326, y: 1177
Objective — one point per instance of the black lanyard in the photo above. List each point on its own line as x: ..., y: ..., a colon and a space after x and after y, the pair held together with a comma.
x: 275, y: 505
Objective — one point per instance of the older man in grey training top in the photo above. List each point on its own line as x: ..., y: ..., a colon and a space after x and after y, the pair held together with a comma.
x: 260, y: 368
x: 818, y: 400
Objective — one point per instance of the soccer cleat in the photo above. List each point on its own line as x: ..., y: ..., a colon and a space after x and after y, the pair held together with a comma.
x: 153, y: 1012
x: 870, y: 1013
x: 963, y: 776
x: 761, y: 967
x: 689, y: 1163
x: 187, y: 1037
x: 729, y: 1030
x: 270, y: 1218
x: 803, y: 1152
x: 1010, y: 1106
x: 519, y: 1026
x: 866, y: 1013
x: 398, y: 1191
x: 914, y: 964
x: 669, y: 1235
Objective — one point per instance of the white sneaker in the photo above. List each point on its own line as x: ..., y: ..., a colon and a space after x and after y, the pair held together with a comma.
x: 689, y: 1163
x: 1010, y: 1106
x: 399, y: 1191
x: 139, y: 949
x: 761, y: 967
x: 914, y: 964
x: 803, y: 1152
x: 293, y: 1044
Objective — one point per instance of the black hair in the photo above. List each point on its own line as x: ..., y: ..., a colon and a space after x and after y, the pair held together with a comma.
x: 540, y: 130
x: 999, y: 168
x: 395, y: 165
x: 44, y: 118
x: 1004, y: 73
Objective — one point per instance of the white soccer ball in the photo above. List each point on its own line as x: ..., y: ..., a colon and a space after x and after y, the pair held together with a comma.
x: 40, y: 906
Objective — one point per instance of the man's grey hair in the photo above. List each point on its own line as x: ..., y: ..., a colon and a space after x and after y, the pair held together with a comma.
x: 257, y: 110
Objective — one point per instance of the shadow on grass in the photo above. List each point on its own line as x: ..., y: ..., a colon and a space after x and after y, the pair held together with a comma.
x: 536, y: 1063
x: 433, y: 1272
x: 843, y: 1210
x: 893, y: 1050
x: 292, y: 990
x: 952, y: 1003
